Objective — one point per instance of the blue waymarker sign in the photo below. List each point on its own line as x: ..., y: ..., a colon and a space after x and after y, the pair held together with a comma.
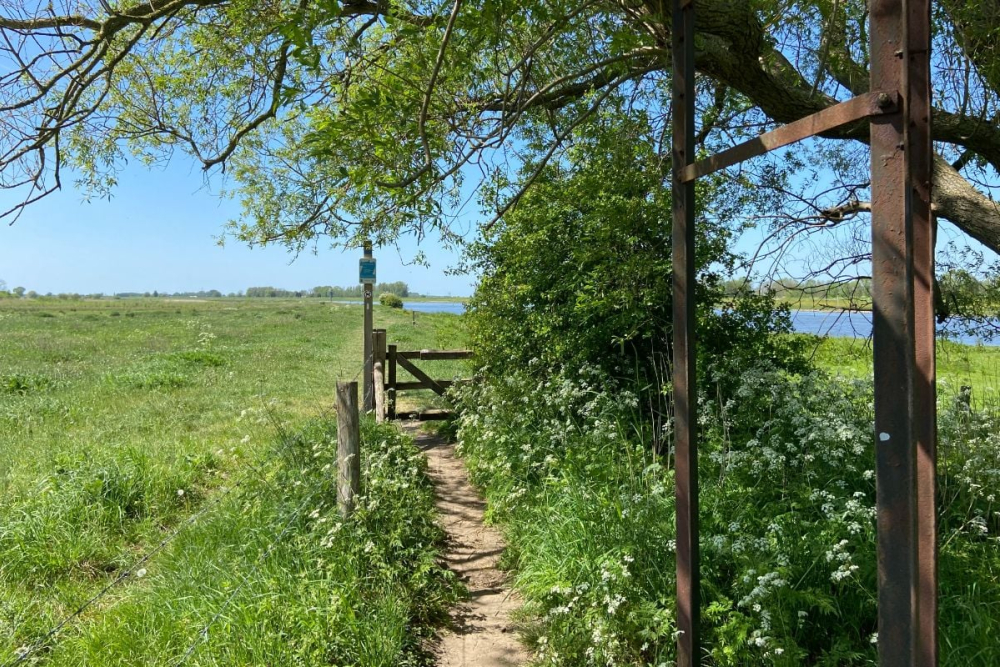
x: 366, y: 271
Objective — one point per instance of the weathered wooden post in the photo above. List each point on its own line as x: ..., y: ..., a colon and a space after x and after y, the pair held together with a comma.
x: 391, y: 392
x: 378, y: 379
x: 348, y: 447
x: 366, y: 276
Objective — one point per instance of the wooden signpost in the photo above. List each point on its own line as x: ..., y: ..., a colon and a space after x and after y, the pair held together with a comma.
x: 366, y: 276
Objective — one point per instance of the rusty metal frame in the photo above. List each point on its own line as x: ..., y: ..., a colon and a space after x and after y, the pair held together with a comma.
x: 855, y: 109
x: 899, y: 111
x: 684, y: 377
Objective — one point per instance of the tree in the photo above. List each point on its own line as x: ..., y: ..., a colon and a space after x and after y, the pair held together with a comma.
x: 18, y: 292
x: 365, y: 118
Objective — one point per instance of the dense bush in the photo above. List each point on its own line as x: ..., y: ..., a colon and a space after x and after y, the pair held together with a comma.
x: 390, y: 300
x: 582, y: 265
x: 787, y: 511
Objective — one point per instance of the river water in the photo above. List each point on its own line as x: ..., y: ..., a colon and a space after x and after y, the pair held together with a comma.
x: 853, y: 325
x: 837, y: 324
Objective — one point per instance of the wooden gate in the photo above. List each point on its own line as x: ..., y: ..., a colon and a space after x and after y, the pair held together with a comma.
x: 388, y: 359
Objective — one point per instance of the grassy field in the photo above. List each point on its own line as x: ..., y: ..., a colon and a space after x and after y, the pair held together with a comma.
x: 976, y: 366
x: 122, y: 420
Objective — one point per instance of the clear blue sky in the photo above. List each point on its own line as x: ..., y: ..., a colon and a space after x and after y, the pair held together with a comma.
x: 159, y: 233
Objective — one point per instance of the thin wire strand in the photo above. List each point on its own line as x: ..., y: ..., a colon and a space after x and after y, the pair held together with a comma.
x: 364, y: 363
x: 125, y: 574
x: 203, y: 633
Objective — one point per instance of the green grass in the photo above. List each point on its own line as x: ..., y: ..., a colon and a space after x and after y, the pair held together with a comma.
x: 120, y: 419
x: 976, y: 366
x: 819, y: 301
x: 414, y: 299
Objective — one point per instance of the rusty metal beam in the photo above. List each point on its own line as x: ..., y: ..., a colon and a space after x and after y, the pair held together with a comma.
x: 893, y: 347
x: 862, y: 106
x: 684, y: 387
x: 923, y: 411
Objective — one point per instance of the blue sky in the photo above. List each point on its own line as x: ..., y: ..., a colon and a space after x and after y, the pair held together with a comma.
x: 159, y: 232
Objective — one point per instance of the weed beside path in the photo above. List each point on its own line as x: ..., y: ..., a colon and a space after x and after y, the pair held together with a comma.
x: 787, y: 512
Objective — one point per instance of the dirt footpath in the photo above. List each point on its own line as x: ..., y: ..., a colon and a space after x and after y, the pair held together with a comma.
x: 482, y: 634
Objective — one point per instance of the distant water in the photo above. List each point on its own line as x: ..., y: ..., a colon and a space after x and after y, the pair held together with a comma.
x: 832, y: 323
x: 852, y: 325
x: 453, y: 307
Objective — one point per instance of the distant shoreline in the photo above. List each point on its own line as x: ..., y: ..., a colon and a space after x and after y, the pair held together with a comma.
x: 831, y: 309
x: 414, y: 299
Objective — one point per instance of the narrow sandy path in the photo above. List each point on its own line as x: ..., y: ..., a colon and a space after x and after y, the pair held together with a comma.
x: 482, y: 634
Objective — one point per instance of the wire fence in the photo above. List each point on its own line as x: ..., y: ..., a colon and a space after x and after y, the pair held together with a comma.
x: 128, y: 572
x: 203, y: 633
x: 250, y: 471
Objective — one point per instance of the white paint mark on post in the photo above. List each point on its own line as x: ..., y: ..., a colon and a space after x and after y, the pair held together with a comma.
x: 884, y: 437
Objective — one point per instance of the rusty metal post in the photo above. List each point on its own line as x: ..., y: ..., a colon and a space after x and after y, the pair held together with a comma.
x: 894, y: 344
x: 684, y: 384
x: 923, y: 412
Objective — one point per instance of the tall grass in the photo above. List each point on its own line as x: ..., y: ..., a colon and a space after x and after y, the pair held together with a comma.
x: 273, y: 575
x: 115, y: 429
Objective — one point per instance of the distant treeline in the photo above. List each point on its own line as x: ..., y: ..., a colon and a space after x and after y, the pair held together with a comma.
x: 203, y: 294
x: 399, y: 288
x: 858, y: 288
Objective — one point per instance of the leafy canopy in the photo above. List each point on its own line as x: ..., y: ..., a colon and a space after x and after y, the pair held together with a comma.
x: 342, y: 119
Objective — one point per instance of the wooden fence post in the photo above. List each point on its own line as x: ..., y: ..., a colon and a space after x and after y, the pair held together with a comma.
x: 348, y: 447
x: 378, y: 376
x: 368, y: 289
x: 392, y: 381
x: 378, y: 379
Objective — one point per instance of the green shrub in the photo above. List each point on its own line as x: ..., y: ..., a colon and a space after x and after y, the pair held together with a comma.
x: 390, y: 300
x: 200, y: 358
x: 580, y: 273
x: 151, y: 377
